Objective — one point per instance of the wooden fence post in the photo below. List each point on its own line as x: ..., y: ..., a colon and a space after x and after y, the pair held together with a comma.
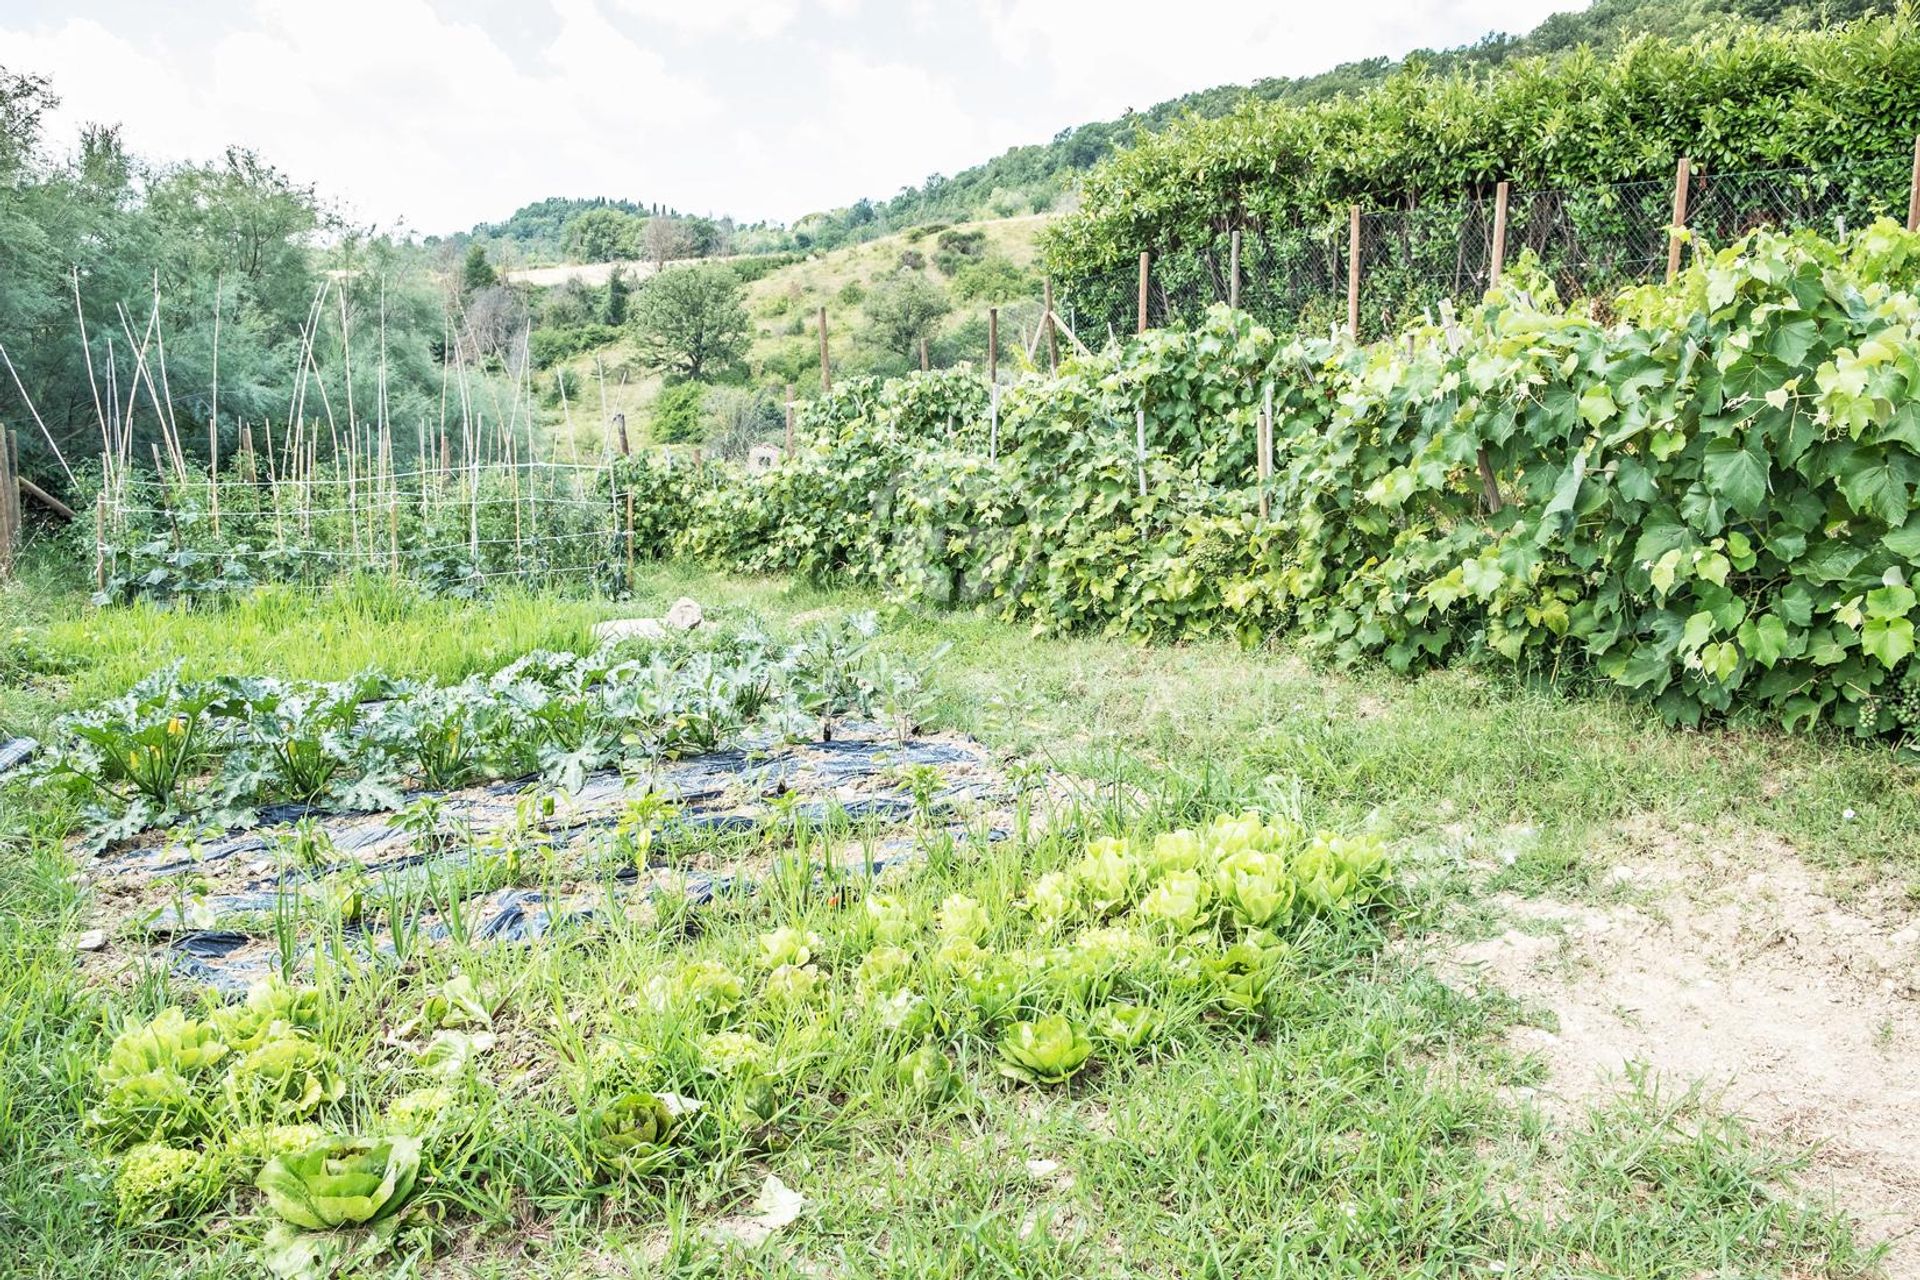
x: 620, y: 430
x: 826, y: 371
x: 1146, y: 260
x: 1053, y: 339
x: 1682, y: 176
x: 1913, y: 191
x: 1353, y: 272
x: 924, y: 365
x: 1499, y: 233
x: 1233, y: 271
x: 9, y: 505
x: 993, y: 383
x: 789, y: 420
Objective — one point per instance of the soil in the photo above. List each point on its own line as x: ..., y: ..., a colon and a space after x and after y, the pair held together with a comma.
x: 1722, y: 958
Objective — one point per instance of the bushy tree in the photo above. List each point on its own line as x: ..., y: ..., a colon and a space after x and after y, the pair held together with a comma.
x: 692, y: 320
x: 902, y: 310
x: 477, y: 273
x: 602, y: 235
x: 677, y: 416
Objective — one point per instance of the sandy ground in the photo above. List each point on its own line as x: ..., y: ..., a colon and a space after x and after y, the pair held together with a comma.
x: 1723, y: 958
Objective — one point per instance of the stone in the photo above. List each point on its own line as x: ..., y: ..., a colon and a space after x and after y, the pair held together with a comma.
x: 629, y: 629
x: 91, y: 940
x: 685, y: 614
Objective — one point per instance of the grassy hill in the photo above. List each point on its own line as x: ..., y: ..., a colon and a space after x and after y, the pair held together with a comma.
x: 784, y: 306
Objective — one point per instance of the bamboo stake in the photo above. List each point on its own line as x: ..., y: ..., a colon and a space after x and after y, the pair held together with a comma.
x: 1499, y: 233
x: 86, y: 350
x: 28, y: 401
x: 1682, y: 175
x: 213, y: 415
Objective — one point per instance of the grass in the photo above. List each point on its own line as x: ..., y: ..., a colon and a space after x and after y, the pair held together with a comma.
x: 1368, y: 1130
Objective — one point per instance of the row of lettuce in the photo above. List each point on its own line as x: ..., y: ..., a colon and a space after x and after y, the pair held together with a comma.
x: 1700, y: 492
x: 1123, y: 949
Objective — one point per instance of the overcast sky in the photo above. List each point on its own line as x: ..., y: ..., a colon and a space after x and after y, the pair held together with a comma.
x: 435, y: 114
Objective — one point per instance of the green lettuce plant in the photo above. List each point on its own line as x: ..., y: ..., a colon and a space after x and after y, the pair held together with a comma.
x: 342, y: 1182
x: 630, y: 1135
x: 1047, y: 1051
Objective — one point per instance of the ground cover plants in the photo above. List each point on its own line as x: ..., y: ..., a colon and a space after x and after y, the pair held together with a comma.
x: 1351, y: 1121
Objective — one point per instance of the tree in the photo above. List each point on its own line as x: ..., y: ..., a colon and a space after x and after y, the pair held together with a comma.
x: 692, y: 320
x: 618, y: 295
x: 668, y: 240
x: 478, y: 273
x: 904, y: 309
x: 602, y: 235
x: 677, y: 413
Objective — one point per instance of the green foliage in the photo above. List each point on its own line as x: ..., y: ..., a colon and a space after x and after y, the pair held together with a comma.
x: 603, y: 234
x: 476, y: 273
x: 692, y: 320
x: 1705, y: 501
x: 1048, y: 1051
x: 902, y: 311
x: 677, y: 416
x: 993, y: 279
x: 342, y: 1182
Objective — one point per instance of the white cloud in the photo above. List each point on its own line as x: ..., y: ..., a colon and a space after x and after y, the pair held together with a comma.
x: 1114, y: 54
x: 757, y: 18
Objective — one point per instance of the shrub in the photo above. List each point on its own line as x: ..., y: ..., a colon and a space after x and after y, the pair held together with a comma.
x: 677, y: 417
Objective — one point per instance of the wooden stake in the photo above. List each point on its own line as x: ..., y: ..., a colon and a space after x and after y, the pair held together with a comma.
x: 1046, y: 319
x: 924, y: 366
x: 1146, y: 261
x: 620, y: 432
x: 790, y: 409
x: 1682, y: 176
x: 1353, y: 272
x: 1233, y: 271
x: 7, y: 504
x: 1499, y: 233
x: 1913, y: 192
x: 826, y: 370
x: 1263, y: 448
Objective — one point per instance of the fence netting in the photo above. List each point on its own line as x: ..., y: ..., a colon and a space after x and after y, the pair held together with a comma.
x: 1589, y: 240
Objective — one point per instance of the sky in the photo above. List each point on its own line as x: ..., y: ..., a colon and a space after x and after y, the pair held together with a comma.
x: 431, y: 115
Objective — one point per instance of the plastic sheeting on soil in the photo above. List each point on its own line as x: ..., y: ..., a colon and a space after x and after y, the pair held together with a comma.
x: 15, y: 752
x: 227, y: 911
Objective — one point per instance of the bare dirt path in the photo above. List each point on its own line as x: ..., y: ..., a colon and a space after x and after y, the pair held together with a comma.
x: 1722, y: 958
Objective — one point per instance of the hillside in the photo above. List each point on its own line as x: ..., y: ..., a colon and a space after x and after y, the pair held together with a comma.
x: 784, y: 306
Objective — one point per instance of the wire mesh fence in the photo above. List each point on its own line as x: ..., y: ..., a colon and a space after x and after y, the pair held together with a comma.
x: 1589, y: 240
